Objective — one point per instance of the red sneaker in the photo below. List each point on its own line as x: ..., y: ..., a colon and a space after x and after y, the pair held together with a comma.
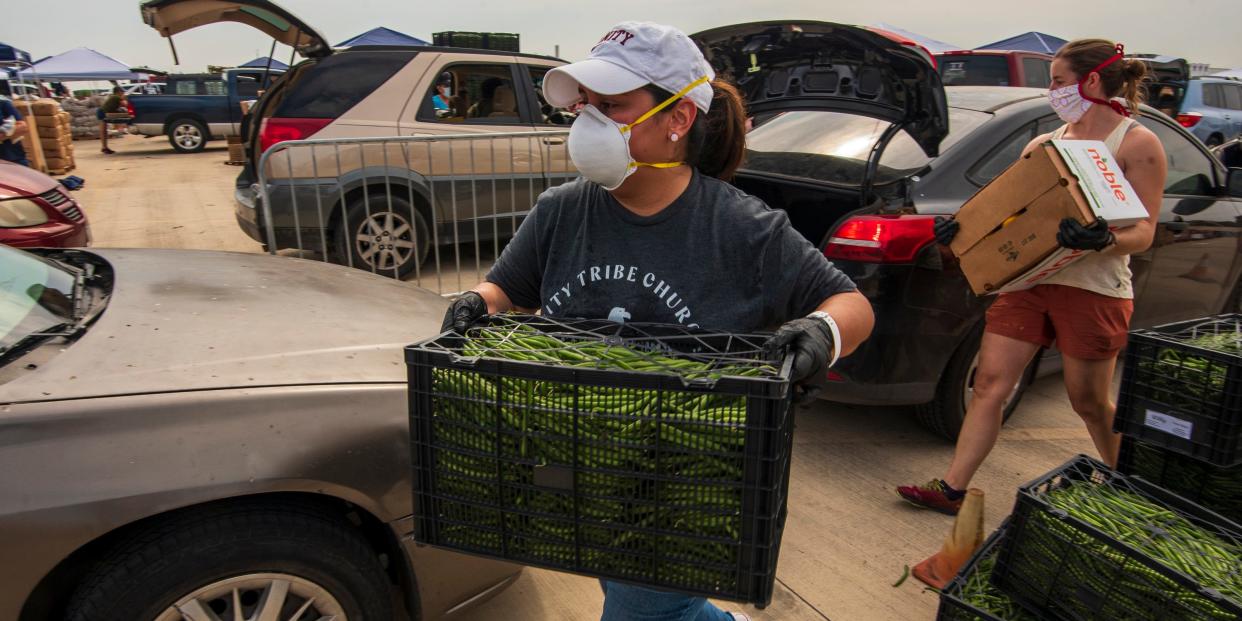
x: 932, y: 495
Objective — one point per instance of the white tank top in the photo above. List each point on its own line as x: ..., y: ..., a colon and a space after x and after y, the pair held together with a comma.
x: 1105, y: 274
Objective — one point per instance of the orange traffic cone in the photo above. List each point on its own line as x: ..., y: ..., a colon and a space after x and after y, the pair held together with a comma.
x: 963, y: 540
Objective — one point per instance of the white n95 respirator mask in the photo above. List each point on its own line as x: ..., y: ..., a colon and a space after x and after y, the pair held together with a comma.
x: 600, y: 146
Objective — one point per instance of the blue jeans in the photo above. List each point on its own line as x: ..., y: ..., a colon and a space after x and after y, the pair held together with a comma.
x: 623, y: 602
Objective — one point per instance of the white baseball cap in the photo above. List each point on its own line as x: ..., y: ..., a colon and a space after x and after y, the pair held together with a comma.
x: 632, y: 55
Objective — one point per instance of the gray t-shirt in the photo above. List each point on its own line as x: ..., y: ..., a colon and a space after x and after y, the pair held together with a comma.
x: 715, y: 258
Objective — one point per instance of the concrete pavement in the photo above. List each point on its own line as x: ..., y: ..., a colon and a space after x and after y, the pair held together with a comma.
x: 847, y: 537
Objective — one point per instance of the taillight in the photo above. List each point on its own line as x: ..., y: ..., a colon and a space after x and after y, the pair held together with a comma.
x: 1189, y: 119
x: 881, y: 239
x: 275, y: 130
x: 129, y: 105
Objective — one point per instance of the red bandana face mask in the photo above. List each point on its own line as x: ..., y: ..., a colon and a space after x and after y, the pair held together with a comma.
x: 1115, y: 105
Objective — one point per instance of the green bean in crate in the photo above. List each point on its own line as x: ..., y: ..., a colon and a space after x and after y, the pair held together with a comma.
x: 1214, y: 487
x: 971, y: 596
x: 1181, y: 388
x: 645, y: 453
x: 1088, y: 543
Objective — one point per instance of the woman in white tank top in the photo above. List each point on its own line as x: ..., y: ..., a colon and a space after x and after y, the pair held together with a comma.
x: 1085, y: 309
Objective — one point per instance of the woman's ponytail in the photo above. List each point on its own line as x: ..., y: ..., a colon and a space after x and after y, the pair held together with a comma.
x: 716, y: 143
x: 718, y: 138
x: 1134, y: 72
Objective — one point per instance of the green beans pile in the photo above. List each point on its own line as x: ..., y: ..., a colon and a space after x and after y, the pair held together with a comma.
x: 1127, y: 588
x: 978, y: 592
x: 1179, y: 375
x: 666, y: 461
x: 1216, y: 488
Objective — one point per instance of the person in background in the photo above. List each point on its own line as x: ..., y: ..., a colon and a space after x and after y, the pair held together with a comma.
x: 12, y: 128
x: 1085, y: 308
x: 444, y: 93
x: 111, y: 105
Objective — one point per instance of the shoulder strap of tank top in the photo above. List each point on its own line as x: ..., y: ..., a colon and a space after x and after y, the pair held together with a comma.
x: 1059, y: 132
x: 1113, y: 142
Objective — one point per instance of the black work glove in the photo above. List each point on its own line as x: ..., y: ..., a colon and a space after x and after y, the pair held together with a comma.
x: 810, y: 341
x: 1073, y: 234
x: 463, y: 312
x: 946, y: 229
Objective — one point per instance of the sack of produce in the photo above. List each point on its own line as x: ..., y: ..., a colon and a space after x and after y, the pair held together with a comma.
x: 644, y: 452
x: 1089, y: 543
x: 1181, y: 388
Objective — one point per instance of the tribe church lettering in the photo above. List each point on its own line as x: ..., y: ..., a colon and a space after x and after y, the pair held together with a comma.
x: 613, y: 275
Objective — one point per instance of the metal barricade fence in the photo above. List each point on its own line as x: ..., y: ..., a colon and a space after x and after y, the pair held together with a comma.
x: 404, y: 206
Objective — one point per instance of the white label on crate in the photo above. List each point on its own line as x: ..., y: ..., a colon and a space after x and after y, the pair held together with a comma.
x: 1168, y: 424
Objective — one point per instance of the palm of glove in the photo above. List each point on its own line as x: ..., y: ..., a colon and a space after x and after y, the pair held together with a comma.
x: 1072, y: 234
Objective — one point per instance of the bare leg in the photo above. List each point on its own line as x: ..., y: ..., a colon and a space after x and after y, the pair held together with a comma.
x: 1089, y: 384
x: 103, y: 135
x: 1001, y: 362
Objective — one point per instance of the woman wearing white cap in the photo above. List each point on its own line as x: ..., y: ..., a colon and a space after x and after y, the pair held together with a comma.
x: 651, y: 233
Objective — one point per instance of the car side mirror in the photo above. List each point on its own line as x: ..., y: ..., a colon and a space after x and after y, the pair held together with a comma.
x: 1233, y: 183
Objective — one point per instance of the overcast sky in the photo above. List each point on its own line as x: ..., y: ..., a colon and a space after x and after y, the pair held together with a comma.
x: 1206, y: 31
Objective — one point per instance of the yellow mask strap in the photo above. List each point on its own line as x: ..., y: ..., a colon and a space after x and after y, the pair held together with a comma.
x: 664, y: 104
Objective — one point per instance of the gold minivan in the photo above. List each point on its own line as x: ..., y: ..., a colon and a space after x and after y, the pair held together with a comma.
x: 384, y: 208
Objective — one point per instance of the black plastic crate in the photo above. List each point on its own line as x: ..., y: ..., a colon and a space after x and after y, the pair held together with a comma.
x: 501, y: 41
x: 971, y: 596
x: 604, y: 471
x: 1079, y: 568
x: 1182, y: 396
x: 1215, y: 487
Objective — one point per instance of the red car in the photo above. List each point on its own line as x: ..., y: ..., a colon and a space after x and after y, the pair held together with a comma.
x: 37, y: 211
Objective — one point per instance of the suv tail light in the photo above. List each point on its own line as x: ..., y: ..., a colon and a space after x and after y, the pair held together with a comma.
x: 881, y: 239
x: 129, y: 106
x: 274, y: 130
x: 1189, y: 119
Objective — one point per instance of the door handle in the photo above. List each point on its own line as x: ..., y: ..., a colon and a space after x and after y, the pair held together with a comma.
x: 556, y: 140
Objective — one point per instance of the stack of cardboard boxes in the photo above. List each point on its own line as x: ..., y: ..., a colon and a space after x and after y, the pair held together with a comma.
x: 49, y: 145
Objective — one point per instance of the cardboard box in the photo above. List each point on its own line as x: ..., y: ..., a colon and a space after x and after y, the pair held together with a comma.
x: 1007, y: 240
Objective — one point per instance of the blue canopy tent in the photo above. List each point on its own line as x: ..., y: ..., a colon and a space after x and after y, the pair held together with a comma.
x: 934, y: 46
x: 80, y: 63
x: 10, y: 54
x: 262, y: 61
x: 1028, y: 42
x: 382, y: 36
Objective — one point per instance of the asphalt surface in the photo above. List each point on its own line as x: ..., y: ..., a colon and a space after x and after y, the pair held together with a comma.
x: 848, y: 536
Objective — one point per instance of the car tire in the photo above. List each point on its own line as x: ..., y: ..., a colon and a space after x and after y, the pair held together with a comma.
x: 1215, y: 140
x: 944, y: 414
x: 383, y: 235
x: 187, y: 136
x: 257, y: 550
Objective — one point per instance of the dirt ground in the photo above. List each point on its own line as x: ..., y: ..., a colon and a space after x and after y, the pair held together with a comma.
x: 847, y: 537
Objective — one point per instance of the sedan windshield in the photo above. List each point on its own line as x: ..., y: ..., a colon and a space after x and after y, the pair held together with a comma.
x: 834, y: 146
x: 35, y: 296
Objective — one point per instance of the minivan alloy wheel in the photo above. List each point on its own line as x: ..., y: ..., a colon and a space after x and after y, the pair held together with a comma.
x: 385, y: 240
x: 188, y: 136
x: 274, y: 596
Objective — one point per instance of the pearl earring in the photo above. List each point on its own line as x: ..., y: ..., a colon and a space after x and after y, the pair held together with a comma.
x: 673, y: 136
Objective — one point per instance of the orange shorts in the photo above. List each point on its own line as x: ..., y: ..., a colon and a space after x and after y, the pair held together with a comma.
x: 1084, y: 324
